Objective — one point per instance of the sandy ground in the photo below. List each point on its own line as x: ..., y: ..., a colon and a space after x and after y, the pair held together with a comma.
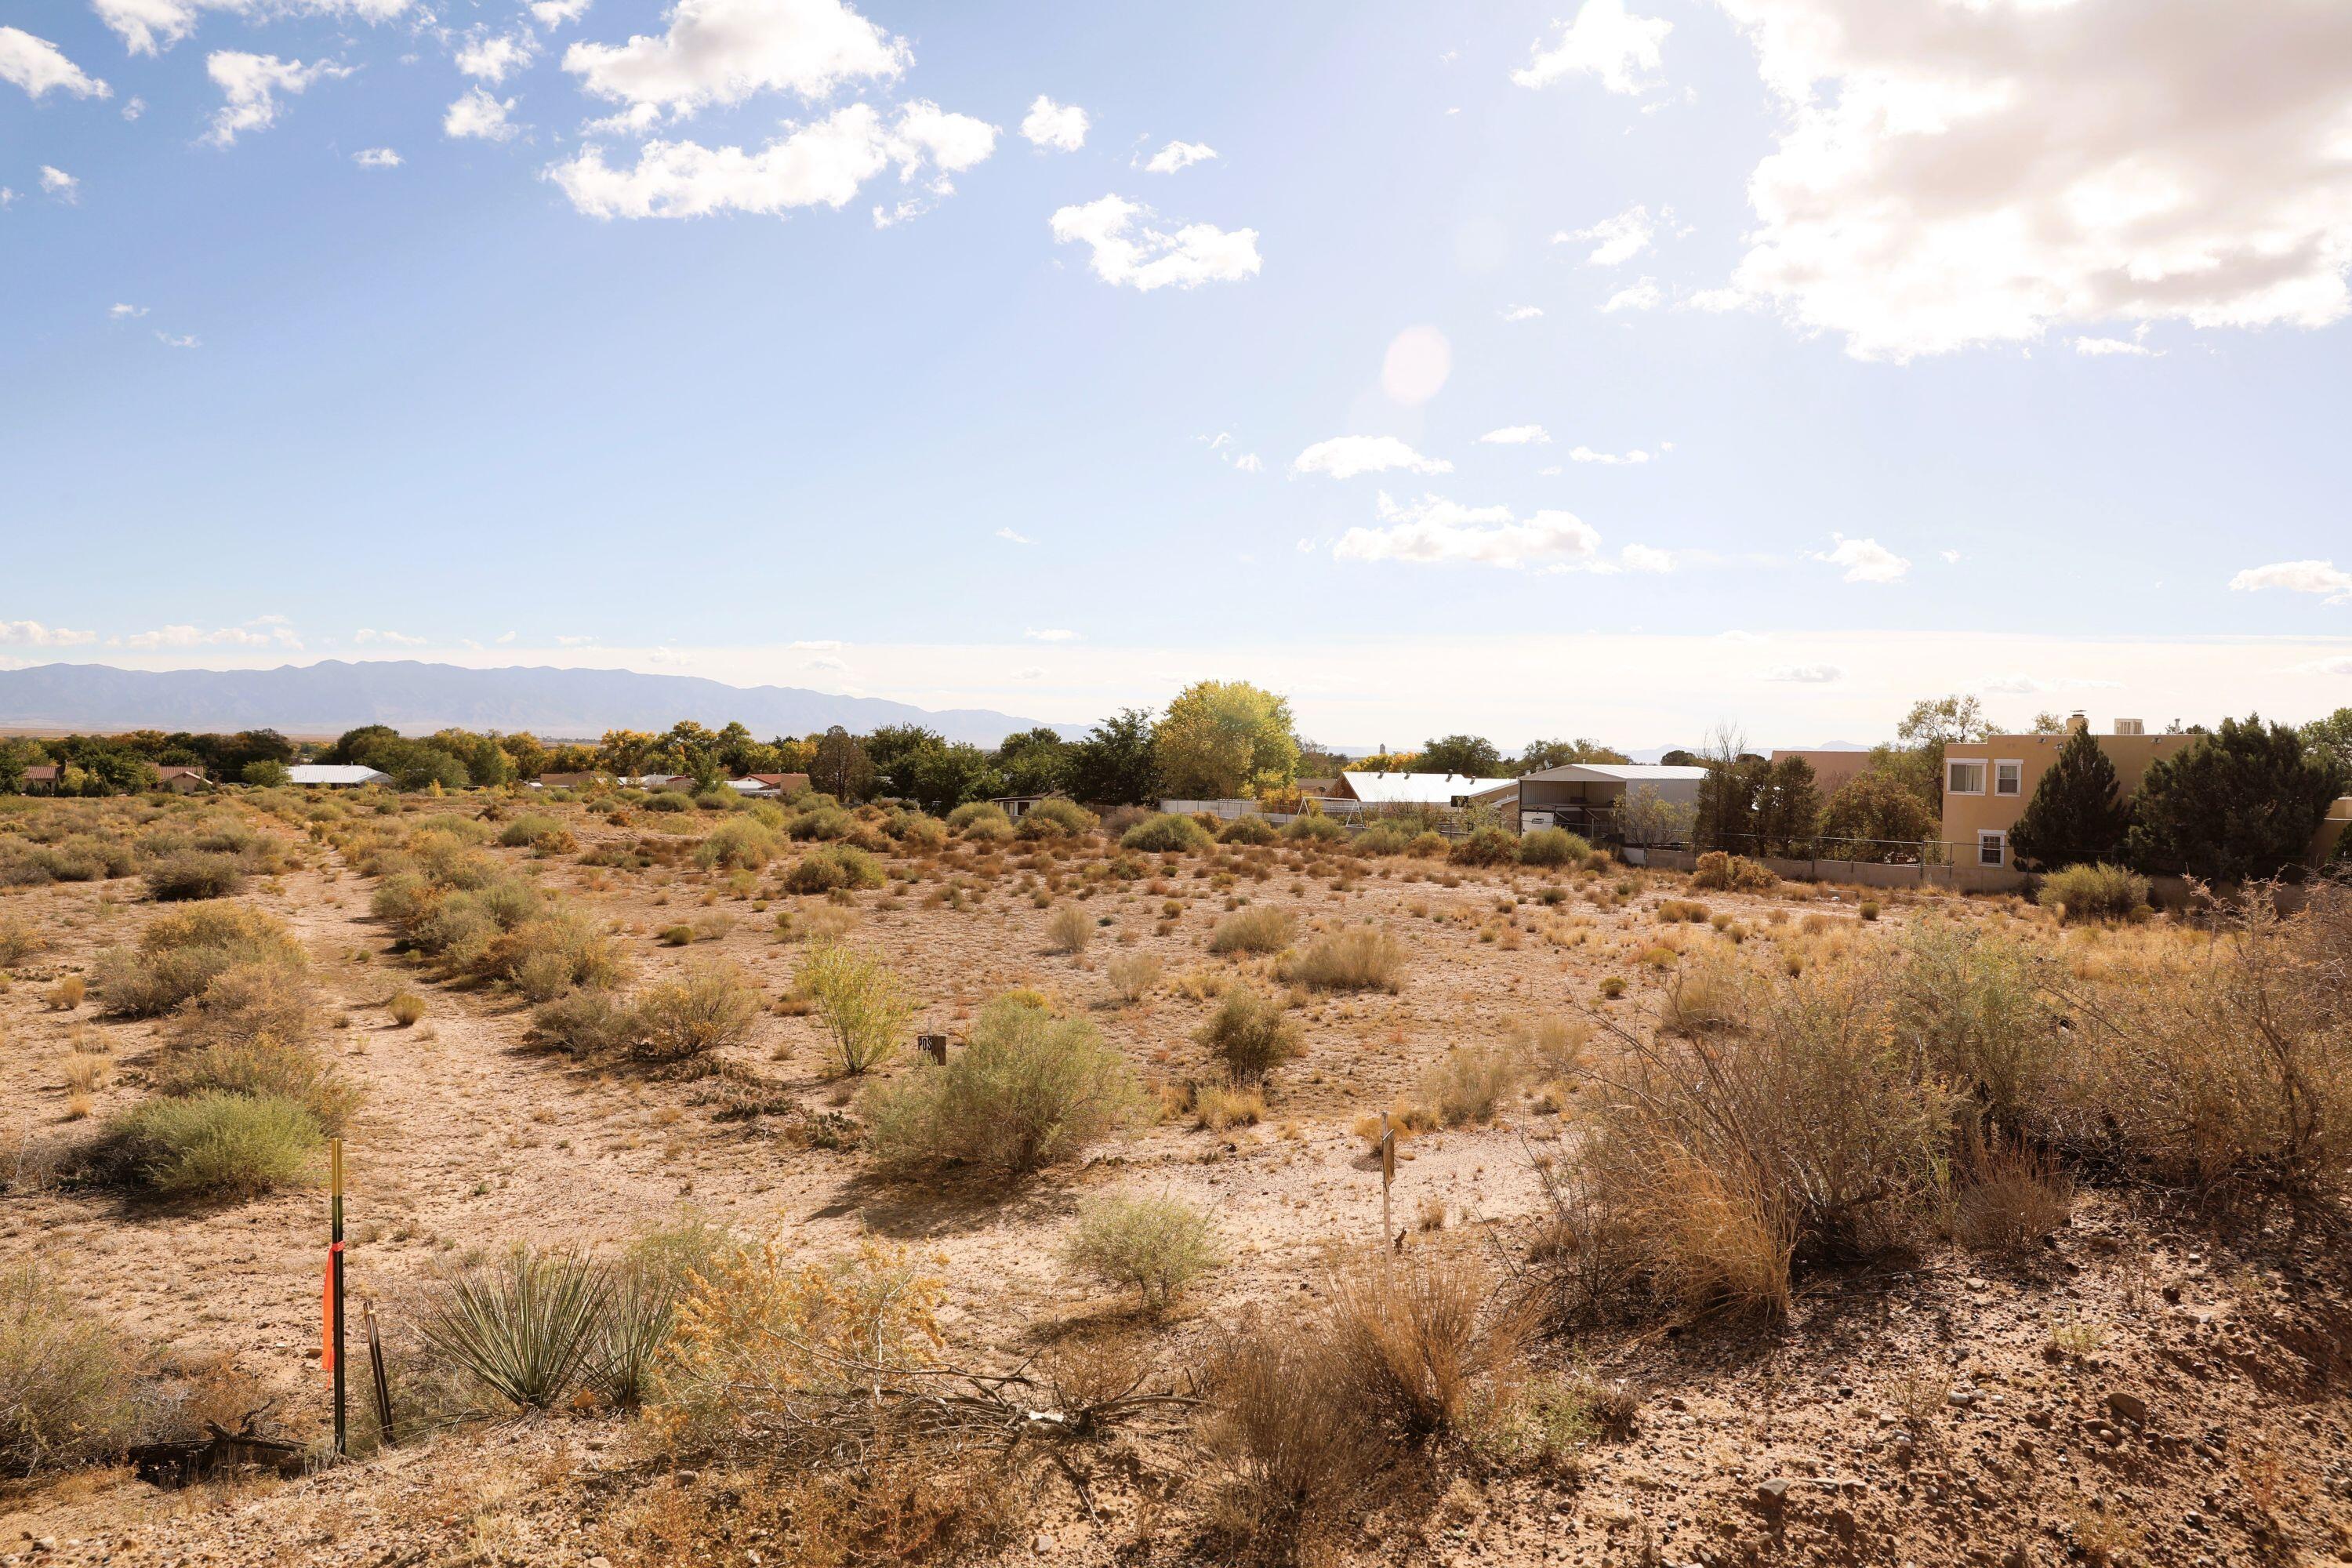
x: 471, y: 1139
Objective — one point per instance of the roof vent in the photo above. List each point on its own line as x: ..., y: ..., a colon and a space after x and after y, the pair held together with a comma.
x: 2130, y: 727
x: 2076, y: 722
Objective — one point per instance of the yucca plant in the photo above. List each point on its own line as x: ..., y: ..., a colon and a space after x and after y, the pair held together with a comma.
x: 528, y: 1327
x: 649, y: 1284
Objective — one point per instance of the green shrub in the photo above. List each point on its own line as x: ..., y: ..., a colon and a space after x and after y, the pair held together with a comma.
x: 554, y: 951
x: 1383, y: 839
x: 66, y: 1388
x: 710, y: 1006
x: 1314, y: 829
x: 272, y: 1002
x: 528, y: 830
x: 640, y: 1316
x: 218, y: 1144
x: 1029, y: 1091
x: 179, y: 953
x: 1055, y: 818
x: 832, y: 867
x: 1154, y: 1246
x: 1250, y: 1034
x: 1467, y: 1083
x: 668, y: 800
x: 194, y: 874
x: 1362, y: 958
x: 916, y: 831
x: 740, y: 843
x: 1165, y: 832
x: 1264, y: 929
x: 1426, y: 845
x: 973, y: 811
x: 261, y: 1067
x: 1552, y: 847
x: 527, y: 1327
x: 862, y: 1003
x: 1250, y: 829
x: 2094, y: 893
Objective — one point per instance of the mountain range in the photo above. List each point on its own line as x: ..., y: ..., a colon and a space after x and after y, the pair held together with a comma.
x: 417, y: 698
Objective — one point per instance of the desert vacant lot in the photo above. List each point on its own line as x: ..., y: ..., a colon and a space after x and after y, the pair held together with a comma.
x: 1761, y: 1225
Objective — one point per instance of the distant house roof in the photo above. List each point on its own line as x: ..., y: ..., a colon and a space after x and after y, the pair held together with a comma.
x: 342, y: 774
x: 785, y: 782
x: 176, y: 770
x: 43, y: 772
x: 1418, y: 789
x: 1621, y: 772
x: 564, y: 781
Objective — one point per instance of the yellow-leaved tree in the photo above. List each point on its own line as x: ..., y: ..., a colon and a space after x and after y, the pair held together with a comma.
x: 1222, y: 739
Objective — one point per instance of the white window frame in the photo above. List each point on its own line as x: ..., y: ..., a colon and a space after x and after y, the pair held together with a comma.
x: 1984, y: 774
x: 2000, y: 842
x: 2000, y: 763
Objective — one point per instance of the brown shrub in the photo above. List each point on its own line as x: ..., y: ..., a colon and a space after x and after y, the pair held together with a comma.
x: 1264, y: 929
x: 710, y: 1006
x: 1362, y: 958
x: 1250, y: 1034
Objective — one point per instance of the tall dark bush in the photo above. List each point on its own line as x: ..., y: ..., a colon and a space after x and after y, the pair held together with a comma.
x: 2078, y: 816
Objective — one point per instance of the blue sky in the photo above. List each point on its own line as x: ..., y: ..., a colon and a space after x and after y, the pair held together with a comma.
x: 1854, y: 350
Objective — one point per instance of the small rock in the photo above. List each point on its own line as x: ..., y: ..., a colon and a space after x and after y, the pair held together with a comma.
x: 1961, y: 1398
x: 1041, y: 1545
x: 2130, y: 1406
x: 1773, y: 1490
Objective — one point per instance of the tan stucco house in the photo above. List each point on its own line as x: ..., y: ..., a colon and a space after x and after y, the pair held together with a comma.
x: 1987, y: 783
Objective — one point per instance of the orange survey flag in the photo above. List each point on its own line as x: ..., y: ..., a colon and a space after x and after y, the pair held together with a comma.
x: 326, y: 1356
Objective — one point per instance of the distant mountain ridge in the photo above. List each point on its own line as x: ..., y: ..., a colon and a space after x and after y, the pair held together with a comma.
x: 417, y: 697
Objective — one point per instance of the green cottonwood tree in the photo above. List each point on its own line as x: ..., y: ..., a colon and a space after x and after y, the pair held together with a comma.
x: 1474, y: 756
x: 1112, y: 767
x: 2242, y: 802
x: 1875, y: 816
x: 2077, y: 814
x: 1221, y: 738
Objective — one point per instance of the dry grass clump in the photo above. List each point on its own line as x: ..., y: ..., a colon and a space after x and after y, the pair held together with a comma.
x: 1362, y: 958
x: 1029, y: 1091
x: 407, y: 1009
x: 1466, y: 1084
x: 1732, y: 873
x: 2100, y: 892
x: 20, y: 939
x: 251, y: 1002
x: 863, y: 1004
x: 1155, y: 1247
x: 2223, y: 1061
x: 179, y: 953
x: 1069, y: 929
x: 1264, y: 929
x: 707, y: 1009
x: 2016, y: 1199
x: 1132, y: 975
x: 66, y: 1392
x: 1219, y: 1106
x: 1976, y: 1008
x: 1250, y: 1034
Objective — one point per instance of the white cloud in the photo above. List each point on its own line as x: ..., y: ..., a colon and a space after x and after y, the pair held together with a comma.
x: 1522, y: 313
x: 251, y: 84
x: 493, y: 57
x: 267, y: 631
x: 1864, y: 560
x: 147, y: 26
x: 1804, y: 674
x: 1951, y: 176
x: 1050, y: 633
x: 1608, y: 459
x: 817, y: 645
x: 1029, y: 672
x: 573, y: 641
x: 1615, y: 240
x: 186, y: 340
x: 504, y: 637
x: 2340, y: 665
x: 1645, y: 558
x: 1642, y: 296
x: 33, y: 634
x: 2115, y: 346
x: 556, y: 12
x: 828, y: 663
x: 1433, y: 530
x: 2298, y: 577
x: 126, y: 313
x: 135, y: 108
x: 1517, y: 436
x: 376, y: 158
x: 1345, y: 457
x: 6, y: 195
x: 480, y: 117
x: 724, y: 51
x: 822, y: 163
x: 1051, y: 124
x: 1950, y: 557
x: 1606, y: 41
x: 392, y: 639
x: 2031, y: 685
x: 60, y: 183
x: 1179, y: 155
x: 1143, y: 257
x: 1416, y: 364
x: 1249, y: 463
x: 1009, y: 535
x: 38, y: 66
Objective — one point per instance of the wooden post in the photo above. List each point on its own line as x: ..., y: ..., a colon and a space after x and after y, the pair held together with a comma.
x: 1388, y: 1178
x: 335, y: 1285
x: 933, y: 1046
x: 382, y: 1387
